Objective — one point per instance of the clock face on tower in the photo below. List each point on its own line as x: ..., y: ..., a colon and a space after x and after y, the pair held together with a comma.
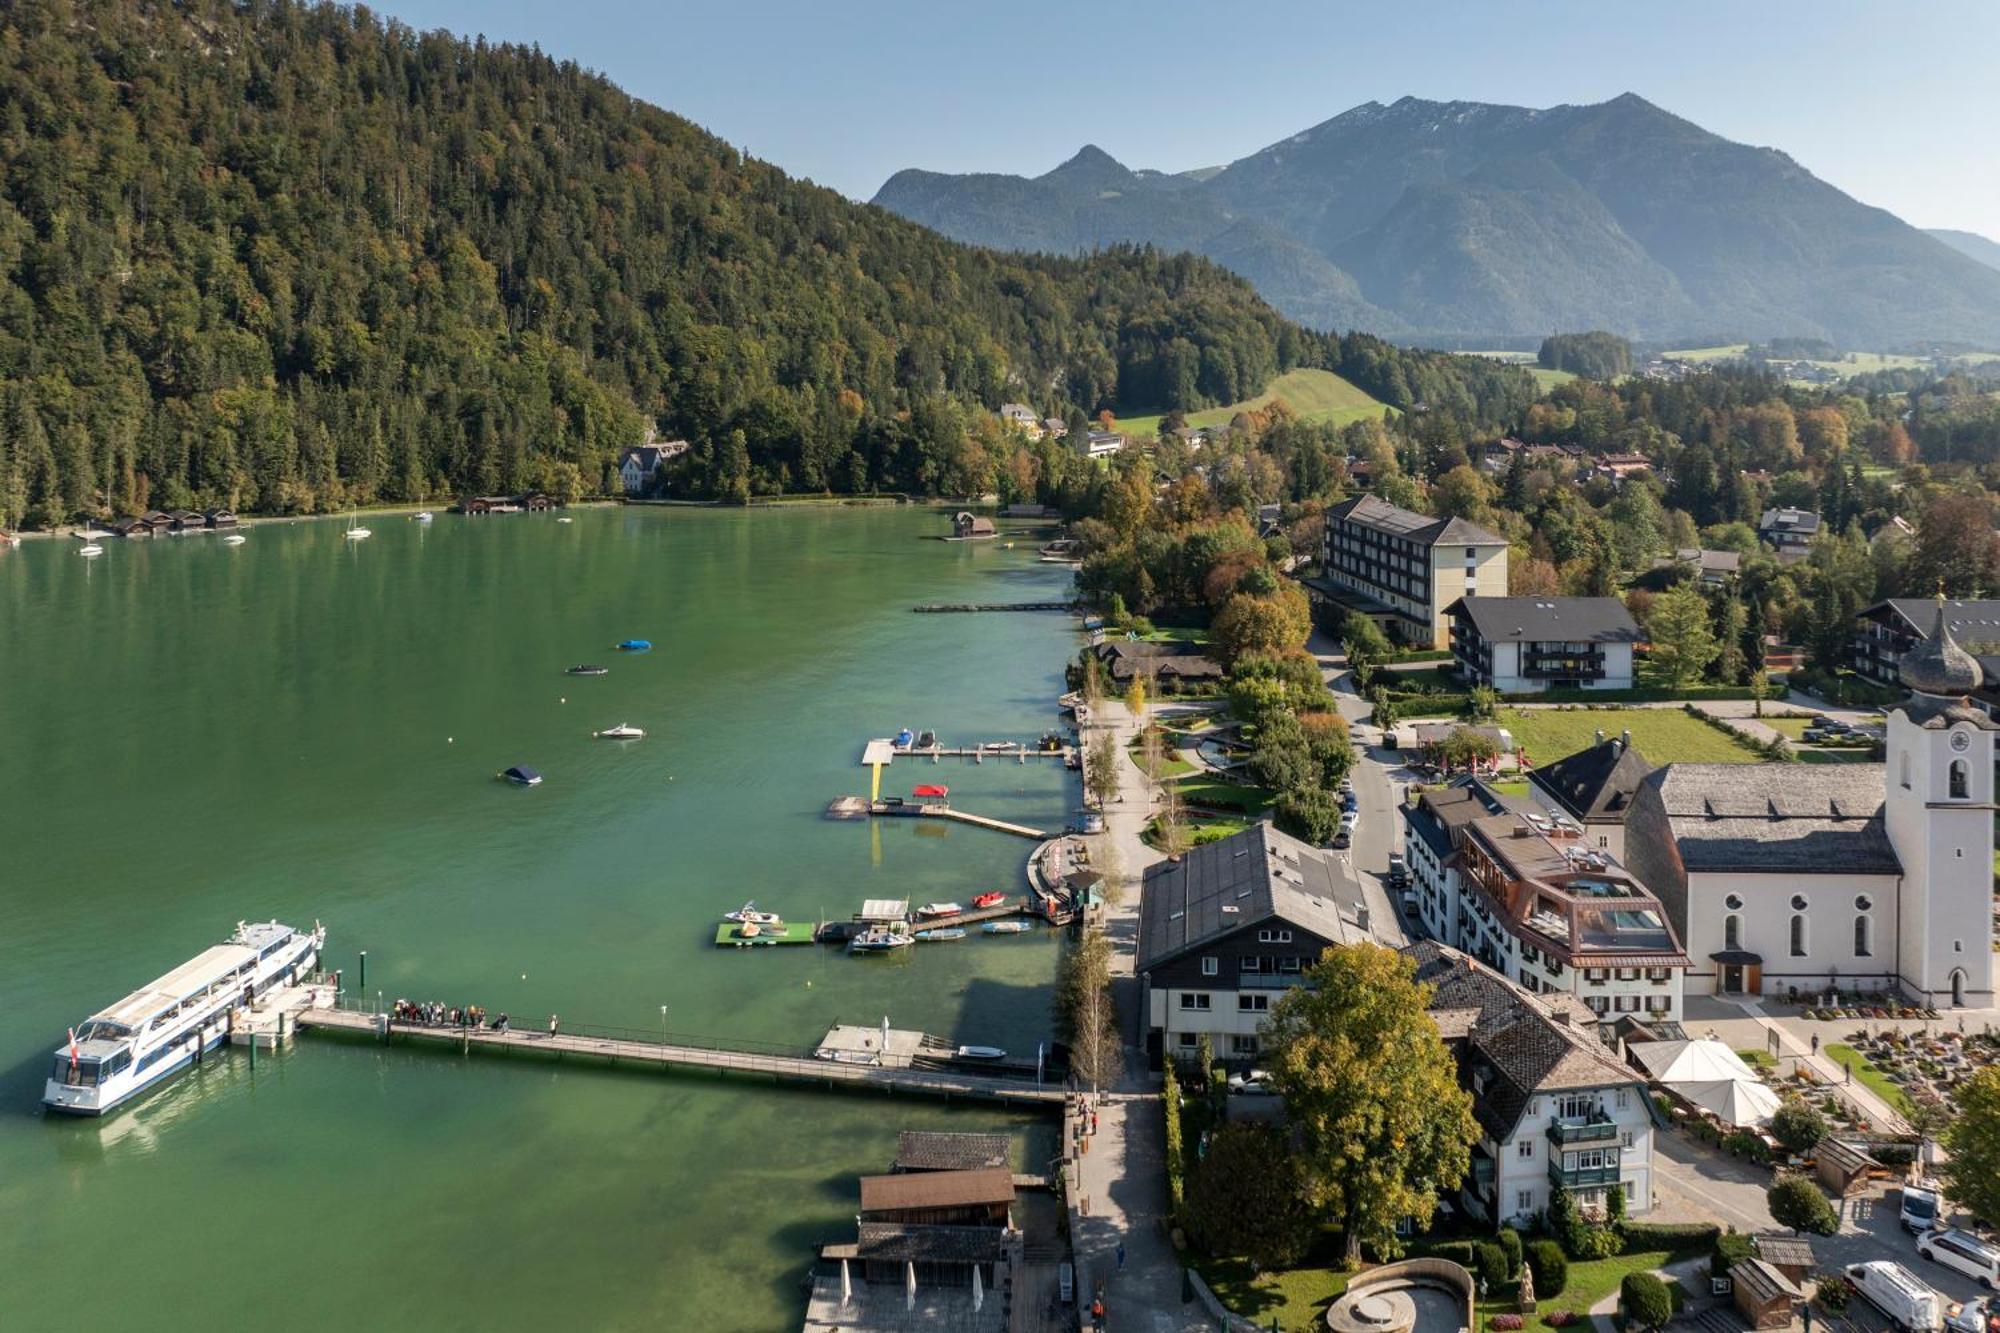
x: 1959, y: 740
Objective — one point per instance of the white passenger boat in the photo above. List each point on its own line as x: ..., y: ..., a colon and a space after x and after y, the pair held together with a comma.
x: 163, y: 1027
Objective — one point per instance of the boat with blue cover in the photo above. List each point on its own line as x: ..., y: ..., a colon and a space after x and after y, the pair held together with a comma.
x: 636, y: 646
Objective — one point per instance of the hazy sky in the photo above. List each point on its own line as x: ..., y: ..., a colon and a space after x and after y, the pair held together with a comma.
x: 1896, y: 103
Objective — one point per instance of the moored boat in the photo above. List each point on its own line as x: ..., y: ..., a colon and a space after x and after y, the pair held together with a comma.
x: 422, y: 516
x: 522, y: 776
x: 749, y: 915
x: 980, y: 1053
x: 1007, y: 927
x: 993, y: 899
x: 90, y: 550
x: 635, y: 646
x: 939, y: 909
x: 234, y: 539
x: 624, y: 731
x: 586, y: 669
x: 163, y: 1027
x: 879, y: 939
x: 939, y: 934
x: 930, y: 791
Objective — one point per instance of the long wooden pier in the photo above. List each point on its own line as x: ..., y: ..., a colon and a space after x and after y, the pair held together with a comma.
x: 662, y: 1054
x: 939, y: 810
x: 942, y: 608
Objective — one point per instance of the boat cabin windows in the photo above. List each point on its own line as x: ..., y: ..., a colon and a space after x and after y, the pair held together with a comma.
x: 103, y: 1029
x: 88, y: 1071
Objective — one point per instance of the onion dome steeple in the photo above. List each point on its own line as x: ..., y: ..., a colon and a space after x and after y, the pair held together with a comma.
x: 1938, y: 667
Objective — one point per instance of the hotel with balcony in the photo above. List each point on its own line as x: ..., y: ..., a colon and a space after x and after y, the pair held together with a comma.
x: 1524, y: 645
x: 1525, y: 894
x: 1555, y: 1109
x: 1402, y: 569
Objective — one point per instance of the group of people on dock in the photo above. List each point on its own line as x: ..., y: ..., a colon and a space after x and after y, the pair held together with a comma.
x: 431, y: 1013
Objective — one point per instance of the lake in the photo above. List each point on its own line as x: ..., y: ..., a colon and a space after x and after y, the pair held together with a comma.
x: 303, y: 727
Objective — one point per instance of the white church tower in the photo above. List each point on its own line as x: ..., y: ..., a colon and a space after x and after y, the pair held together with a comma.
x: 1939, y: 812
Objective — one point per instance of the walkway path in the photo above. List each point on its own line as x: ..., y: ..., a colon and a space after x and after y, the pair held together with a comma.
x: 1878, y: 1111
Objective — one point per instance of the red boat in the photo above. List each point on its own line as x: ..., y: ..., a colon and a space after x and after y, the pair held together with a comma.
x: 931, y: 790
x: 993, y: 899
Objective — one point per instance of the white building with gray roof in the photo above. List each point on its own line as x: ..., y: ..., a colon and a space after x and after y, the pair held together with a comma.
x: 1796, y: 877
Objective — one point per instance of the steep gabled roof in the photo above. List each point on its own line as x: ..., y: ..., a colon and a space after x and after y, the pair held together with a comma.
x: 1763, y: 818
x: 1595, y: 786
x: 941, y: 1150
x: 1257, y: 875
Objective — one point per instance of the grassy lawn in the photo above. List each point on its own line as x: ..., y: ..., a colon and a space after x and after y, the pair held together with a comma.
x: 1871, y: 1077
x: 1226, y: 795
x: 1792, y: 728
x: 1509, y: 786
x: 1662, y: 735
x: 1698, y: 355
x: 1171, y: 764
x: 1756, y: 1059
x: 1588, y: 1284
x: 1432, y: 678
x: 1316, y: 395
x: 1296, y: 1297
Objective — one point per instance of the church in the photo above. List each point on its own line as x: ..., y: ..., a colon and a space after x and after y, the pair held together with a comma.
x: 1793, y: 878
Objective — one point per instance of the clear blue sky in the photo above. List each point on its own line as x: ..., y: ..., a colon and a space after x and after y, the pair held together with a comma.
x: 1898, y: 104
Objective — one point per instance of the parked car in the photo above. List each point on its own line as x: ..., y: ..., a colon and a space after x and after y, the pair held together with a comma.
x: 1343, y: 839
x: 1349, y: 818
x: 1922, y: 1208
x: 1965, y: 1252
x: 1974, y: 1316
x: 1256, y: 1083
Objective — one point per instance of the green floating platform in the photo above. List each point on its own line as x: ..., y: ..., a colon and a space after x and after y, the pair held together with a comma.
x: 796, y: 932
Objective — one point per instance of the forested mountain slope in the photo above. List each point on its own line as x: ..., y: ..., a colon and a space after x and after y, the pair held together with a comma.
x: 290, y: 257
x: 1466, y: 219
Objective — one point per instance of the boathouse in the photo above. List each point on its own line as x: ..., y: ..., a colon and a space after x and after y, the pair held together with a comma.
x: 894, y: 1256
x: 969, y: 526
x: 938, y: 1150
x: 129, y: 528
x: 220, y: 518
x: 983, y: 1197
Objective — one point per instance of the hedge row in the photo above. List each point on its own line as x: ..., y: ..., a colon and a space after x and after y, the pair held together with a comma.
x: 1677, y: 1236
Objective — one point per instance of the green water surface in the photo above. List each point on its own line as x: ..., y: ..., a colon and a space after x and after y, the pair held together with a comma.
x: 306, y: 728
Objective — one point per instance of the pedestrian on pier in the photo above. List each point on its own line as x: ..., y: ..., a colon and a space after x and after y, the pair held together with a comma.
x: 552, y: 1025
x: 1121, y: 1256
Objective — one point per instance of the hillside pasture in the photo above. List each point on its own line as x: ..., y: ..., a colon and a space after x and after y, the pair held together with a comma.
x: 1315, y: 395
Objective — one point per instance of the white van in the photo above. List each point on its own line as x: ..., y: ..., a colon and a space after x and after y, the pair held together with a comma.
x: 1895, y: 1291
x: 1923, y: 1208
x: 1965, y: 1252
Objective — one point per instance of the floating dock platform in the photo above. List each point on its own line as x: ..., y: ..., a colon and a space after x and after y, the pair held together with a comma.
x: 860, y: 807
x: 792, y: 932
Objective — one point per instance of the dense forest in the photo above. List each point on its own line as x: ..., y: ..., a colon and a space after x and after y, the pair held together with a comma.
x: 289, y: 257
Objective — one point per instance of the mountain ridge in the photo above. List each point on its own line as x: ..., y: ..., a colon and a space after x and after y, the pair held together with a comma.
x: 1426, y: 218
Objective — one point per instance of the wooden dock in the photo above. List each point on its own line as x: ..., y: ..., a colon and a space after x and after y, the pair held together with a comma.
x: 1013, y: 907
x: 634, y: 1049
x: 945, y: 608
x: 939, y: 810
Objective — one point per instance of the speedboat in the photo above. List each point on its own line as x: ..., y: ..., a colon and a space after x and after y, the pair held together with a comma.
x: 904, y: 739
x: 930, y: 790
x: 939, y: 909
x: 1007, y: 927
x: 940, y: 934
x: 174, y: 1021
x: 980, y: 1053
x: 624, y: 731
x: 422, y: 516
x: 585, y: 669
x: 89, y: 549
x: 993, y: 899
x: 565, y: 519
x: 926, y: 740
x: 234, y: 539
x: 522, y: 776
x: 1001, y: 745
x: 749, y: 915
x: 635, y: 646
x: 879, y: 939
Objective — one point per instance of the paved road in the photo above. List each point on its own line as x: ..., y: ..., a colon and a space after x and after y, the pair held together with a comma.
x: 1379, y: 780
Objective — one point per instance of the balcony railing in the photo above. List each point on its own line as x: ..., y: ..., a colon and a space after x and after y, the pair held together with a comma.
x: 1594, y: 1130
x: 1582, y: 1177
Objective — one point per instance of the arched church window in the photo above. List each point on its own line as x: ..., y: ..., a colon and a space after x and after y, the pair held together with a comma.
x: 1732, y: 932
x: 1903, y: 769
x: 1960, y: 780
x: 1799, y: 935
x: 1864, y: 936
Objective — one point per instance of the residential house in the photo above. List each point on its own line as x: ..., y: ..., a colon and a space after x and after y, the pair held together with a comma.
x: 1712, y: 569
x: 1886, y: 632
x: 1497, y: 455
x: 1524, y: 645
x: 1555, y: 1110
x: 1170, y: 665
x: 1054, y: 428
x: 1022, y: 418
x: 1102, y: 443
x: 1226, y: 928
x: 1620, y: 468
x: 1594, y: 789
x: 1787, y: 529
x: 1361, y: 474
x: 640, y: 464
x: 1403, y: 569
x: 1435, y: 824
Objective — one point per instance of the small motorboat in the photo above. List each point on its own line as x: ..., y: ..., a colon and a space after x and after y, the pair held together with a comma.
x: 840, y: 1057
x: 585, y: 669
x: 879, y: 939
x: 905, y: 738
x: 939, y: 909
x: 624, y: 731
x: 565, y: 519
x: 1007, y: 927
x: 748, y: 915
x: 931, y: 790
x: 422, y: 516
x: 234, y: 539
x: 940, y: 934
x: 89, y: 550
x: 926, y: 740
x: 980, y: 1053
x: 993, y: 899
x: 522, y: 776
x: 636, y: 646
x: 1001, y: 745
